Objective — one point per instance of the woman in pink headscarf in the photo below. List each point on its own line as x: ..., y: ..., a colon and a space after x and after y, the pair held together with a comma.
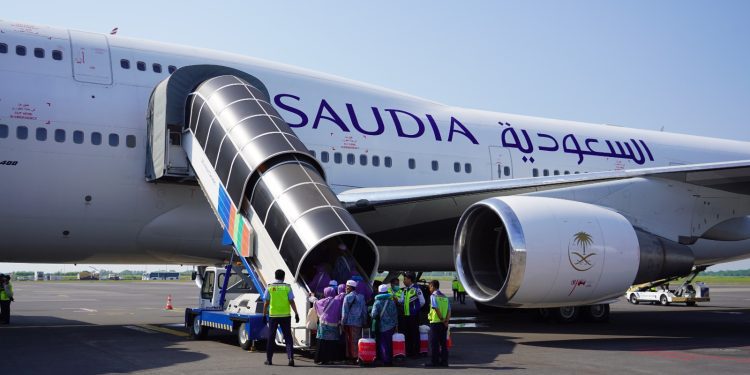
x: 329, y: 317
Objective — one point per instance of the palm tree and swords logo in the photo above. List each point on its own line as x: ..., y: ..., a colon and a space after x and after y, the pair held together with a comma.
x: 579, y: 259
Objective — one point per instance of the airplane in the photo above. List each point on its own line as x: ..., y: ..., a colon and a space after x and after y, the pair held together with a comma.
x: 530, y: 212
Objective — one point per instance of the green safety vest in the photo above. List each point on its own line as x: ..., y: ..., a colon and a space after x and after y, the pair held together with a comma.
x: 442, y: 305
x: 394, y: 294
x: 5, y: 296
x: 279, y: 300
x: 455, y: 285
x: 461, y: 287
x: 410, y: 292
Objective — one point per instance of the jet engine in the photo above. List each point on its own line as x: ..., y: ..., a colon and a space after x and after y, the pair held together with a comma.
x: 525, y: 251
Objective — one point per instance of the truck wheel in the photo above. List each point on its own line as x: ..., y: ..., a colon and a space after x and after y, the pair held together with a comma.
x: 197, y: 331
x: 663, y: 300
x: 633, y: 299
x: 566, y: 314
x: 243, y: 338
x: 597, y: 313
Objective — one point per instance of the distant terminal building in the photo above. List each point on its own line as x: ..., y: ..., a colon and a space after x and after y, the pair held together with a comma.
x: 161, y: 276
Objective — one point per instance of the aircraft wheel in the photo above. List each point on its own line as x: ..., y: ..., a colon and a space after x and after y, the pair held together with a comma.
x: 633, y: 299
x: 566, y: 314
x: 597, y: 313
x: 243, y: 338
x: 197, y: 331
x: 663, y: 300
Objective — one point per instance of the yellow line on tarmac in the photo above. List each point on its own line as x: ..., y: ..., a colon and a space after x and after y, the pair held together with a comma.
x: 163, y: 330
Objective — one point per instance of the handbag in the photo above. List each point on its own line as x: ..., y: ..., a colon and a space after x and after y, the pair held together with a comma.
x: 312, y: 319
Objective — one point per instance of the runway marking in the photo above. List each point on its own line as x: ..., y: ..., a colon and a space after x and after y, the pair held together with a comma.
x: 140, y: 329
x: 80, y: 309
x: 163, y: 330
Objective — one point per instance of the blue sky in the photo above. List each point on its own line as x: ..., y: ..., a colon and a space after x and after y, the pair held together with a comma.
x: 678, y: 65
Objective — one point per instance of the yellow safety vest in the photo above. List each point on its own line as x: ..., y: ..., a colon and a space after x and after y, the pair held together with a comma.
x: 5, y: 296
x: 461, y: 287
x: 279, y: 300
x: 408, y: 294
x: 455, y: 285
x: 442, y: 305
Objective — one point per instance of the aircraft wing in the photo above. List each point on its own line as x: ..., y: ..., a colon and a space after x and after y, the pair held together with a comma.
x: 428, y: 214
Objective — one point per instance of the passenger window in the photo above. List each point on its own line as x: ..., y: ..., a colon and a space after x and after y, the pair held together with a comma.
x: 156, y: 67
x: 388, y: 161
x: 130, y: 141
x: 3, y: 48
x: 56, y: 54
x: 324, y: 156
x: 171, y: 69
x: 20, y: 50
x: 567, y: 172
x: 506, y: 171
x: 535, y: 172
x: 41, y: 134
x: 467, y: 168
x: 140, y: 65
x: 22, y: 132
x: 78, y: 137
x: 337, y: 157
x: 312, y: 152
x: 3, y: 131
x: 363, y: 159
x: 412, y: 163
x: 59, y: 135
x: 114, y: 140
x: 557, y: 173
x: 96, y: 138
x: 375, y: 161
x: 546, y: 172
x: 125, y: 63
x: 435, y: 165
x: 350, y: 159
x: 39, y: 53
x: 456, y: 167
x: 576, y: 172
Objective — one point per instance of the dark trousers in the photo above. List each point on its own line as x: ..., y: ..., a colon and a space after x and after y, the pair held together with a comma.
x: 462, y: 297
x: 4, y: 312
x: 439, y: 343
x: 411, y: 334
x: 385, y: 346
x: 286, y: 329
x: 455, y: 295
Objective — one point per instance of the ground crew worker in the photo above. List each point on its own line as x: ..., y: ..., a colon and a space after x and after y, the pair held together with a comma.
x: 461, y: 293
x: 440, y: 314
x: 412, y: 300
x: 6, y: 297
x: 278, y: 301
x: 395, y: 290
x: 454, y: 287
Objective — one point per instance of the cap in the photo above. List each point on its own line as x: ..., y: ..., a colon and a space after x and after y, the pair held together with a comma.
x: 351, y: 283
x: 333, y: 283
x: 383, y: 288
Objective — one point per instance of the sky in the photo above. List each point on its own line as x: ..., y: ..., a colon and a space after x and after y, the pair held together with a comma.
x: 680, y: 66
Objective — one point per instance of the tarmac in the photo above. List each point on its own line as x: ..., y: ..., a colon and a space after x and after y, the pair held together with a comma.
x: 122, y: 327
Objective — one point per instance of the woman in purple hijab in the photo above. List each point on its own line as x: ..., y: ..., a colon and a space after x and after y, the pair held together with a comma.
x: 329, y: 315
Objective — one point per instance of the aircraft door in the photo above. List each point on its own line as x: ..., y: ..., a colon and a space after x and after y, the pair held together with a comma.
x: 91, y: 59
x: 500, y: 163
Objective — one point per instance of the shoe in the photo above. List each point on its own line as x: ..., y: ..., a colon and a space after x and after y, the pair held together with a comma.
x: 267, y: 363
x: 291, y: 363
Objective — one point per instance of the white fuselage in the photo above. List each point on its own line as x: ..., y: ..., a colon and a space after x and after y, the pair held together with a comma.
x: 69, y: 199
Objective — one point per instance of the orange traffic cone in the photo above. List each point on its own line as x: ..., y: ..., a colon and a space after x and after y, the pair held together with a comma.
x: 169, y: 303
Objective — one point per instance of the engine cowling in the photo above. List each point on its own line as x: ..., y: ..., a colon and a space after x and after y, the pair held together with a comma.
x: 525, y: 251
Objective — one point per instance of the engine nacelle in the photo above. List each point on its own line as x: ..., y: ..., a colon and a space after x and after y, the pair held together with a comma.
x: 541, y: 252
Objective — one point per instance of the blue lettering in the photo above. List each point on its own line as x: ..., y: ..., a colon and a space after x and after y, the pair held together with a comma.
x: 355, y: 121
x: 434, y: 126
x: 334, y: 117
x: 455, y: 123
x: 400, y: 130
x: 302, y: 116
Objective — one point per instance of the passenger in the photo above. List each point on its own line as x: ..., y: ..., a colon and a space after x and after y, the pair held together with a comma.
x: 329, y: 317
x: 321, y: 280
x: 454, y: 287
x: 412, y: 301
x: 461, y: 293
x: 440, y: 314
x: 6, y: 297
x: 384, y: 323
x: 341, y: 350
x: 278, y: 301
x: 353, y: 317
x: 362, y: 288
